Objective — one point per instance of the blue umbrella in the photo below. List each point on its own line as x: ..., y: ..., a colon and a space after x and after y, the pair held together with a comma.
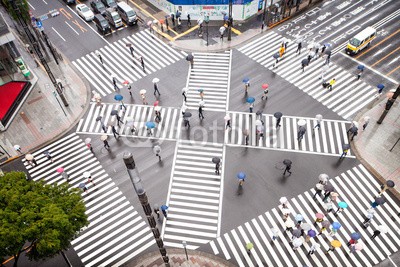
x: 327, y: 44
x: 226, y: 17
x: 150, y: 124
x: 342, y: 205
x: 298, y: 217
x: 250, y: 100
x: 355, y: 236
x: 336, y: 225
x: 380, y: 86
x: 200, y: 90
x: 164, y: 207
x: 118, y: 97
x: 276, y: 55
x: 360, y: 67
x: 241, y: 175
x: 246, y: 80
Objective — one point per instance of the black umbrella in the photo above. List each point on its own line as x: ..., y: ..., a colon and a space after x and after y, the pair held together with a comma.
x: 328, y: 52
x: 278, y: 115
x: 345, y: 146
x: 187, y: 115
x: 302, y: 130
x: 82, y: 185
x: 304, y: 61
x: 276, y: 55
x: 259, y: 113
x: 389, y: 183
x: 353, y: 129
x: 114, y: 112
x: 296, y: 232
x: 287, y: 162
x: 216, y: 160
x: 329, y: 187
x: 99, y: 118
x: 380, y: 200
x: 189, y: 57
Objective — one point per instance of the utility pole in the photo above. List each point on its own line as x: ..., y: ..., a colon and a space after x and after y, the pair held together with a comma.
x: 36, y: 48
x: 389, y: 104
x: 141, y: 193
x: 230, y: 21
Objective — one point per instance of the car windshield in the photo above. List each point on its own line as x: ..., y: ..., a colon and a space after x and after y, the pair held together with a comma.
x: 354, y: 42
x: 116, y: 17
x: 131, y: 13
x: 100, y: 5
x: 85, y: 9
x: 110, y: 1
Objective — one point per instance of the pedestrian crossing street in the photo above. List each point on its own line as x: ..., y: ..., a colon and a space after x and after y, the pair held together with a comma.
x: 118, y: 61
x: 211, y: 73
x: 348, y: 96
x: 195, y: 196
x: 116, y: 232
x: 328, y: 140
x: 167, y: 128
x: 356, y: 187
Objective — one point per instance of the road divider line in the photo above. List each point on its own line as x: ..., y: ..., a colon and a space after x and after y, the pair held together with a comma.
x: 71, y: 28
x: 384, y: 40
x: 385, y: 56
x: 58, y: 34
x: 393, y: 70
x: 186, y: 32
x: 31, y: 6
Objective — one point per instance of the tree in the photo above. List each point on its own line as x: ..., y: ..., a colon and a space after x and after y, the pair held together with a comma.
x: 37, y: 218
x: 23, y: 6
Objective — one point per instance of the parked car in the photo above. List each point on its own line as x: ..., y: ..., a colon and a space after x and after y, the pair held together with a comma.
x: 113, y: 18
x: 110, y: 3
x: 70, y: 2
x: 127, y: 13
x: 84, y: 12
x: 98, y: 7
x: 102, y: 24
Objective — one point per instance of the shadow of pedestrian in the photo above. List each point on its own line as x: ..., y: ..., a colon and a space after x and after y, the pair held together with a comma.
x: 284, y: 178
x: 338, y: 162
x: 239, y: 190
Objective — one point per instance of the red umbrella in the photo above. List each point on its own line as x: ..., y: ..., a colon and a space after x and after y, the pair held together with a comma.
x: 60, y: 170
x: 264, y: 86
x: 156, y: 103
x: 126, y: 82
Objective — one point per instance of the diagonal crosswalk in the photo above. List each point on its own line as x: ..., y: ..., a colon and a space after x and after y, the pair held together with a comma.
x: 328, y: 140
x: 210, y: 73
x: 195, y: 196
x: 167, y: 128
x: 118, y: 61
x: 116, y: 233
x: 348, y: 96
x: 358, y: 188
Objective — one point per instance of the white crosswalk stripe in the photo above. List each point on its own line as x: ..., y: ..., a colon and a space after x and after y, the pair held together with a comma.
x: 116, y: 233
x: 210, y: 73
x: 194, y: 199
x: 348, y: 96
x: 328, y: 140
x: 358, y: 189
x: 167, y: 128
x: 118, y: 61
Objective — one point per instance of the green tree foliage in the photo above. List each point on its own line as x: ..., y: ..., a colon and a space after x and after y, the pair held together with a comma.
x: 23, y: 6
x: 38, y: 218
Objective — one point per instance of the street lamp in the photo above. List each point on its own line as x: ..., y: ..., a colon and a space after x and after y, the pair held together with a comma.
x: 141, y: 193
x: 230, y: 21
x: 184, y: 247
x: 207, y: 20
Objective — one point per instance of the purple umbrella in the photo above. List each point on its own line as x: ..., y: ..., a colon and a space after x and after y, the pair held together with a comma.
x: 311, y: 233
x: 325, y: 224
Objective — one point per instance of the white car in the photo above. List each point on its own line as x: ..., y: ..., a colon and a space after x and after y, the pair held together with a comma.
x: 84, y: 12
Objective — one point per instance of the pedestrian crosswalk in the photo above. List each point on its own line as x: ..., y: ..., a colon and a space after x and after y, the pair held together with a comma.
x: 119, y: 62
x: 167, y: 128
x: 348, y: 96
x: 195, y: 196
x: 116, y: 232
x: 211, y: 75
x: 358, y: 188
x: 328, y: 140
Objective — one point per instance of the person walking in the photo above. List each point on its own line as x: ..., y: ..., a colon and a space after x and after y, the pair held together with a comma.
x: 299, y: 46
x: 48, y: 155
x: 318, y: 119
x: 173, y: 19
x: 131, y: 49
x: 157, y: 151
x: 366, y: 122
x: 287, y: 168
x: 368, y: 217
x: 313, y: 248
x: 184, y: 91
x: 359, y: 75
x: 144, y: 101
x: 249, y: 247
x: 351, y: 242
x: 164, y: 209
x: 114, y: 81
x: 246, y: 134
x: 142, y: 63
x: 156, y: 210
x: 323, y: 47
x: 158, y: 116
x: 115, y: 132
x: 65, y: 176
x: 282, y: 50
x: 118, y: 119
x: 186, y: 122
x: 18, y: 149
x: 318, y: 190
x: 329, y: 206
x: 330, y: 85
x: 264, y: 95
x: 324, y: 70
x: 354, y: 134
x: 32, y: 162
x: 217, y: 167
x: 303, y: 65
x: 201, y: 116
x: 275, y: 233
x: 183, y: 109
x: 376, y: 233
x: 228, y: 124
x: 189, y: 23
x: 106, y: 145
x: 129, y: 87
x: 326, y: 195
x: 89, y: 145
x: 328, y: 59
x: 246, y: 86
x: 300, y: 133
x: 156, y: 89
x: 344, y: 153
x: 99, y: 56
x: 251, y: 106
x: 278, y: 121
x: 90, y: 179
x: 202, y: 94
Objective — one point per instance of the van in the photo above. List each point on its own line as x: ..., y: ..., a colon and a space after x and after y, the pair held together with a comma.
x: 360, y: 41
x: 113, y: 18
x: 102, y: 24
x: 127, y: 13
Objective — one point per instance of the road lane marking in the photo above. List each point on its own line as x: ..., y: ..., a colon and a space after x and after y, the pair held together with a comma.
x: 385, y: 56
x: 393, y: 70
x: 66, y: 13
x: 384, y: 40
x: 58, y: 34
x: 79, y: 26
x: 31, y: 6
x: 44, y: 2
x: 72, y: 28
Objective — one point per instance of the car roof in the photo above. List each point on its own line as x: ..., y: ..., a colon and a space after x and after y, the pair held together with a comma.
x: 81, y: 5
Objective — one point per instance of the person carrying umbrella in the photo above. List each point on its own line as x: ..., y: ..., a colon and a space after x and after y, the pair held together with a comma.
x: 275, y: 233
x: 278, y: 115
x: 378, y: 231
x: 246, y: 82
x: 201, y: 105
x: 48, y: 155
x: 366, y: 122
x: 300, y: 133
x: 318, y: 190
x: 105, y: 142
x: 186, y: 117
x: 246, y: 134
x: 143, y: 96
x: 368, y: 217
x: 184, y: 91
x: 331, y: 84
x: 249, y: 247
x: 313, y: 248
x: 323, y: 178
x: 329, y: 206
x: 63, y: 173
x: 89, y: 144
x: 217, y: 162
x: 334, y: 244
x: 156, y: 210
x: 241, y: 176
x: 318, y: 119
x: 190, y: 59
x: 157, y: 151
x: 164, y: 209
x: 31, y: 160
x: 288, y: 164
x: 346, y: 148
x: 227, y: 119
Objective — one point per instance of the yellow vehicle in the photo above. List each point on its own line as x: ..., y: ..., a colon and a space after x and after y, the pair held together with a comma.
x: 360, y: 41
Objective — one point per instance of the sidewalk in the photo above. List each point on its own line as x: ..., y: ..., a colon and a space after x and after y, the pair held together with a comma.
x: 372, y: 145
x: 41, y: 119
x: 177, y: 257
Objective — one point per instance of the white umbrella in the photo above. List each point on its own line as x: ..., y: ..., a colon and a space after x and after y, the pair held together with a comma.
x: 323, y: 177
x: 227, y: 117
x: 155, y: 21
x: 97, y: 96
x: 301, y: 122
x: 319, y: 186
x: 201, y: 103
x: 283, y: 200
x: 285, y: 211
x: 88, y: 140
x: 142, y: 92
x: 86, y: 175
x: 297, y: 242
x: 157, y: 108
x: 383, y: 229
x: 156, y: 80
x: 199, y: 21
x: 319, y: 117
x: 184, y: 89
x: 103, y: 137
x: 29, y: 157
x: 222, y: 30
x: 289, y: 224
x: 258, y: 123
x: 355, y: 123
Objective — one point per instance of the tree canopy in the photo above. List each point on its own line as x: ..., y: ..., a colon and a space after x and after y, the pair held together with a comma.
x: 23, y: 6
x: 39, y: 218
